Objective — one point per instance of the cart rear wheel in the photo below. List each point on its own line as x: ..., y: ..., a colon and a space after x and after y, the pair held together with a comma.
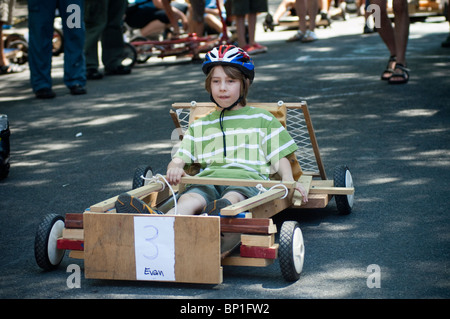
x: 143, y: 170
x: 46, y: 253
x: 291, y: 251
x: 343, y: 178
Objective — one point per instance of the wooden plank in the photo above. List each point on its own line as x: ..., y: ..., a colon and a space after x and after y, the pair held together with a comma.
x: 71, y: 244
x: 314, y: 144
x: 315, y: 201
x: 188, y: 105
x: 110, y: 247
x: 252, y: 202
x: 259, y: 252
x: 246, y: 261
x: 258, y: 240
x: 271, y: 208
x: 332, y: 190
x: 247, y: 225
x: 73, y: 233
x: 138, y: 192
x: 235, y: 182
x: 197, y: 249
x: 73, y: 220
x: 76, y: 254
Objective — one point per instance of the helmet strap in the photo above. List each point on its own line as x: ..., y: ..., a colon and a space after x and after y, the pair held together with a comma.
x: 221, y: 119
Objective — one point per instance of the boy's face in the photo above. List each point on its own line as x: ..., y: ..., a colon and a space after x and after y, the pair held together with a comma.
x: 225, y: 90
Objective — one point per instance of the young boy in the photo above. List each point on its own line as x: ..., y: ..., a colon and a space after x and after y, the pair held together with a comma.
x: 234, y: 141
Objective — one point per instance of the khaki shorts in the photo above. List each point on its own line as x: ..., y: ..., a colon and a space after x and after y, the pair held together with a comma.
x: 6, y: 11
x: 213, y: 192
x: 242, y: 7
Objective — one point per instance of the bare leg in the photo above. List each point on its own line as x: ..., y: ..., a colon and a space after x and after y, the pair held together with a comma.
x: 154, y: 27
x: 240, y: 26
x: 189, y: 204
x: 251, y: 28
x: 234, y: 197
x: 300, y: 8
x: 313, y: 7
x: 401, y: 20
x: 386, y: 31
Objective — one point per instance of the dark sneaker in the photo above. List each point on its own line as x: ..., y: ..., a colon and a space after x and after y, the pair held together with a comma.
x: 127, y: 204
x: 77, y: 89
x: 45, y: 93
x: 93, y: 74
x: 119, y: 70
x: 214, y: 208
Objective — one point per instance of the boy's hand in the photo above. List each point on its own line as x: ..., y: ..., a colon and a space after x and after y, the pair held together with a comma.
x: 174, y: 175
x: 302, y: 191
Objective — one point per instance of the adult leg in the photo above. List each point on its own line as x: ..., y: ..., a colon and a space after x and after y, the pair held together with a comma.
x: 196, y: 17
x: 240, y: 28
x: 313, y: 8
x: 95, y: 16
x: 300, y: 9
x: 251, y: 21
x: 112, y: 37
x: 401, y: 20
x: 386, y: 30
x: 40, y: 25
x: 74, y: 35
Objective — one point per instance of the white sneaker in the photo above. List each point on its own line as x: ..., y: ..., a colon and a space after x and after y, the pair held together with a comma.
x: 296, y: 37
x: 310, y: 36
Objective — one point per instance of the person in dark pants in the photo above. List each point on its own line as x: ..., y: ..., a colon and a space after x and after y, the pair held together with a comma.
x: 104, y: 20
x: 41, y: 15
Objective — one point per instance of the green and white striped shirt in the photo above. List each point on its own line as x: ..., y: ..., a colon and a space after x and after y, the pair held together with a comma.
x: 255, y: 140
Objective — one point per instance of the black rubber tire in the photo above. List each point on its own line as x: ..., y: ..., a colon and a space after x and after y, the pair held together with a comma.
x: 342, y: 178
x: 291, y: 251
x: 129, y: 55
x: 47, y: 256
x: 141, y: 57
x: 142, y: 170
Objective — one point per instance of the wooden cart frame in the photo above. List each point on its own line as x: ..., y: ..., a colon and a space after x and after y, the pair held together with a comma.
x: 194, y: 248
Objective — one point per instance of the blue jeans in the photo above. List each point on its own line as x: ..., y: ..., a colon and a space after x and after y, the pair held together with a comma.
x: 41, y: 15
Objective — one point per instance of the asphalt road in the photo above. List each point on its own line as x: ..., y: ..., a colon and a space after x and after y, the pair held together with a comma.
x: 73, y: 151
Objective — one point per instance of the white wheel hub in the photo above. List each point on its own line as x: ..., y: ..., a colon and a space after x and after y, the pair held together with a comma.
x: 349, y: 183
x: 54, y: 254
x: 298, y: 250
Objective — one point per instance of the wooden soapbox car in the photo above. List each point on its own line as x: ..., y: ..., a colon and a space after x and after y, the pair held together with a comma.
x: 193, y: 249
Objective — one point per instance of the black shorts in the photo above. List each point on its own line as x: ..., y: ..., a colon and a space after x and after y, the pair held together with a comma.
x: 141, y: 16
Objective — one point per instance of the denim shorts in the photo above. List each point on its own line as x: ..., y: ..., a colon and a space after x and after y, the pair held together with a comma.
x: 213, y: 192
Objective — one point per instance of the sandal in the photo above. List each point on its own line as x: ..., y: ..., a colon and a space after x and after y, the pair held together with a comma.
x: 389, y: 68
x: 404, y: 75
x: 11, y: 68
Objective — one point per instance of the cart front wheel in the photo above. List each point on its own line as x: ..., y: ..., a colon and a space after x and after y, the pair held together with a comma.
x: 143, y: 170
x: 343, y: 178
x: 292, y: 251
x: 46, y: 253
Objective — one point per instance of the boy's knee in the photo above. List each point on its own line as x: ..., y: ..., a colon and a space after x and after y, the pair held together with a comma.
x: 234, y: 197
